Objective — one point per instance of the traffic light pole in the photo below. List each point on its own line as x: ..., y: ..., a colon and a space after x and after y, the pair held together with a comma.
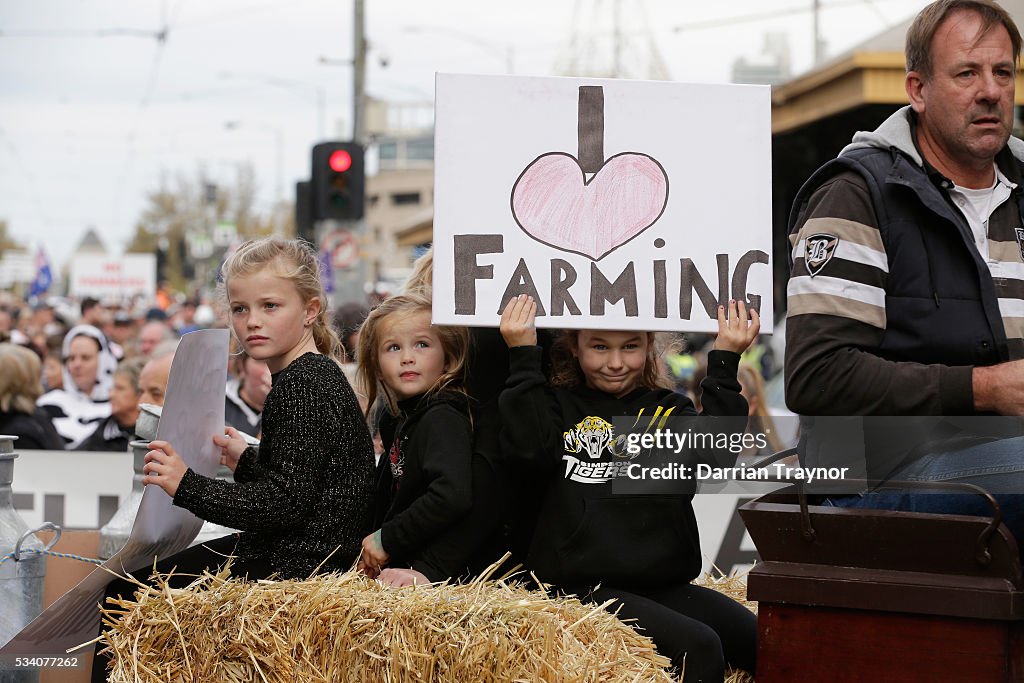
x: 336, y: 230
x: 359, y: 73
x: 349, y: 281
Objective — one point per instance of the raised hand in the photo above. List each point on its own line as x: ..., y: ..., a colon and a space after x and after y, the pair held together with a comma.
x: 518, y: 321
x: 736, y: 332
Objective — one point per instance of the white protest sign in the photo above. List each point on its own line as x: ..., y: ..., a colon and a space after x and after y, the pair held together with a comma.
x: 114, y: 277
x: 616, y: 204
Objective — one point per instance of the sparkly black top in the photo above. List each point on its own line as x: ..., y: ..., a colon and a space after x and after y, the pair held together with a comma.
x: 307, y: 491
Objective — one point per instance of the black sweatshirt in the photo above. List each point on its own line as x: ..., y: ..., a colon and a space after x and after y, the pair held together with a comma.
x: 585, y: 534
x: 426, y: 474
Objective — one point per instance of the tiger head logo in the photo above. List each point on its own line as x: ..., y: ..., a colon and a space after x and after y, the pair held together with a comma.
x: 591, y: 435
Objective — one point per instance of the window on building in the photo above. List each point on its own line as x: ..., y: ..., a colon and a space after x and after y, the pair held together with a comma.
x: 420, y: 150
x: 405, y: 198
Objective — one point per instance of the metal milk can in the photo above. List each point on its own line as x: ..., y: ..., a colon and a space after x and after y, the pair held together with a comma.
x: 21, y: 576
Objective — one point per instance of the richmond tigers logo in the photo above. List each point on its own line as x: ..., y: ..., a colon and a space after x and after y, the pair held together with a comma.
x: 595, y: 435
x: 591, y: 435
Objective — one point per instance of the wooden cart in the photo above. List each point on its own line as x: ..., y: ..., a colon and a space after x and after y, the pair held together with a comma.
x: 876, y: 595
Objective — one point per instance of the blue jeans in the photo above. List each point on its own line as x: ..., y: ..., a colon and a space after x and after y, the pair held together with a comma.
x: 996, y: 466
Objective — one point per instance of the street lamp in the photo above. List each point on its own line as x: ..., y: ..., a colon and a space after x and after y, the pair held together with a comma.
x: 507, y: 52
x: 278, y: 134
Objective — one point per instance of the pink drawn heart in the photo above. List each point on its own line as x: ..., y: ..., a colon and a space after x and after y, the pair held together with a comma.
x: 554, y: 203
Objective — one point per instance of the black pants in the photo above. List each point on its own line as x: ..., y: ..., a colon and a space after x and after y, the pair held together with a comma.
x: 703, y: 626
x: 186, y: 565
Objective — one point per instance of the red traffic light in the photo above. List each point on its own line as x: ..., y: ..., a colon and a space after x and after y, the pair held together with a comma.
x: 340, y: 161
x: 338, y: 181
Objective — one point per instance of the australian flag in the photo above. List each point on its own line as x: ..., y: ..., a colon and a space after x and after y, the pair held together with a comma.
x: 44, y: 278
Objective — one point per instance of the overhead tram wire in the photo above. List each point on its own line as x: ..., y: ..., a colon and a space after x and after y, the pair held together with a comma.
x: 161, y: 38
x: 231, y: 14
x: 132, y: 136
x: 787, y: 11
x: 26, y: 175
x: 160, y: 35
x: 85, y: 33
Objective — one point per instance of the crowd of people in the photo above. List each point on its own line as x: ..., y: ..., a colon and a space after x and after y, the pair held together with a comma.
x: 73, y: 378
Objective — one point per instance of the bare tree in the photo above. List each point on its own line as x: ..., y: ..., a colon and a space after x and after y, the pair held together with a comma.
x: 181, y: 216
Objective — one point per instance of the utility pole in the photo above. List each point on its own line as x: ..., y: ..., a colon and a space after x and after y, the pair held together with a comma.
x: 344, y: 231
x: 359, y: 73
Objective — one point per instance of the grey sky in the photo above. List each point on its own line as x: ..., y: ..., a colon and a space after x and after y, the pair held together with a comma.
x: 89, y: 123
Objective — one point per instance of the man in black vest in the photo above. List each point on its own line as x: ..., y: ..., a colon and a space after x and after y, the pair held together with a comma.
x: 907, y: 289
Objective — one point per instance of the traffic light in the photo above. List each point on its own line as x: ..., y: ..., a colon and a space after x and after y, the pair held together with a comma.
x: 339, y: 181
x: 304, y: 211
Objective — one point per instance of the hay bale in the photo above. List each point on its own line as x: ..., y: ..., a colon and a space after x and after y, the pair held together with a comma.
x: 738, y: 676
x: 345, y: 627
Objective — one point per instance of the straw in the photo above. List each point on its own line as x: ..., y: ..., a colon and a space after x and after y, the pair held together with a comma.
x: 344, y: 627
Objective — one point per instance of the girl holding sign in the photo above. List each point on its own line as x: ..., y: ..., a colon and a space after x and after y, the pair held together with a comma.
x: 643, y: 550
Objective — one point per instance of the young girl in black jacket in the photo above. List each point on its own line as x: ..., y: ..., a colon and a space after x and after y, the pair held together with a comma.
x: 425, y: 479
x: 643, y: 550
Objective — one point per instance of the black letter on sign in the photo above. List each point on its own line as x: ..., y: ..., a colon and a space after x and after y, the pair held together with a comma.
x: 660, y: 294
x: 739, y: 278
x: 563, y: 276
x: 730, y: 553
x: 624, y: 288
x: 690, y: 281
x: 521, y: 283
x: 467, y: 271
